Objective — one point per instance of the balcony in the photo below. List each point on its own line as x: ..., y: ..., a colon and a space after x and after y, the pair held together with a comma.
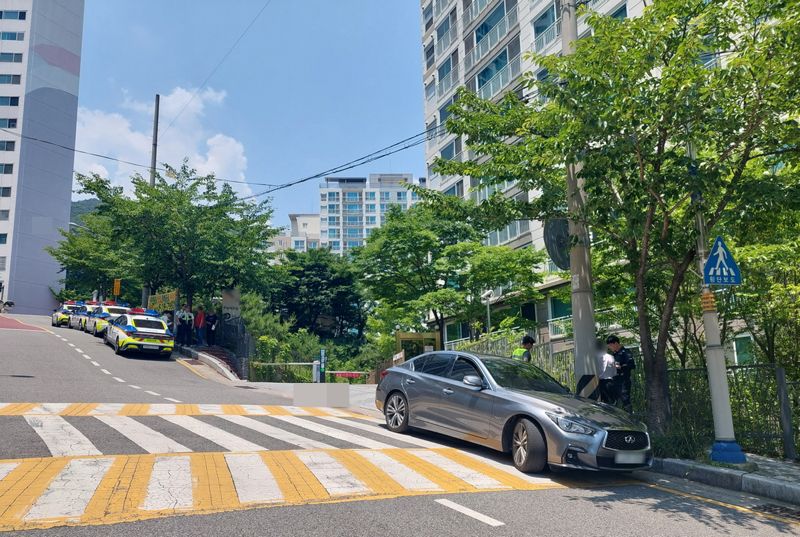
x: 443, y: 43
x: 503, y: 78
x: 547, y: 37
x: 560, y: 327
x: 490, y: 40
x: 447, y: 83
x: 440, y: 6
x: 472, y: 11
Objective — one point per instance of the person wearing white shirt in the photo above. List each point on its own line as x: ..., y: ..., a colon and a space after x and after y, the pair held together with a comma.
x: 606, y: 371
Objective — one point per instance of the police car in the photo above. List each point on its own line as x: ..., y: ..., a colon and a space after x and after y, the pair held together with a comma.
x: 79, y: 316
x: 139, y: 330
x: 61, y: 314
x: 100, y: 316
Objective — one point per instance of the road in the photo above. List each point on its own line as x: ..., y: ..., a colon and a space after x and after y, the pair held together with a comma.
x: 88, y: 439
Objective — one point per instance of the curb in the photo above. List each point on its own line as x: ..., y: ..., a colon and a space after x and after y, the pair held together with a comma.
x: 731, y: 479
x: 210, y: 361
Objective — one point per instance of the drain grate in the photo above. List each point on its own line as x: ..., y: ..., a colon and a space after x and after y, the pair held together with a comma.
x: 791, y: 513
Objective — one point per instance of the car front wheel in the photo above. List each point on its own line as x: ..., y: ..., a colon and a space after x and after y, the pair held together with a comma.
x: 117, y: 349
x: 396, y: 413
x: 528, y: 447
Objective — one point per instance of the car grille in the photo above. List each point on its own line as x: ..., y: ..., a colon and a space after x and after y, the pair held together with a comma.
x: 627, y: 440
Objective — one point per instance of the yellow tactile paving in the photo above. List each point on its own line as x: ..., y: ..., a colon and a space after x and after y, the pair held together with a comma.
x: 122, y: 493
x: 183, y: 409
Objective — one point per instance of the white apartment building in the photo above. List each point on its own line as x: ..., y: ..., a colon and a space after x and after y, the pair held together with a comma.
x: 351, y: 207
x: 40, y: 58
x: 303, y: 234
x: 480, y: 44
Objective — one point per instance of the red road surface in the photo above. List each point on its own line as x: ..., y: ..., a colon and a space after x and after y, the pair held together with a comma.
x: 7, y: 323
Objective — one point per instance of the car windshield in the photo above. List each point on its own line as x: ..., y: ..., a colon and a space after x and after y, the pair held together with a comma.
x: 148, y: 323
x: 516, y: 375
x: 117, y: 311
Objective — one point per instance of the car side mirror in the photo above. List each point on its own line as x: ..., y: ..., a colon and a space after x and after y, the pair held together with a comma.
x: 473, y: 381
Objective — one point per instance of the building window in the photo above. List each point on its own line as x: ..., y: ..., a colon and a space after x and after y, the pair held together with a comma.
x: 370, y: 207
x: 402, y: 196
x: 490, y: 22
x: 10, y: 79
x: 445, y: 69
x: 336, y: 245
x: 3, y: 238
x: 333, y: 196
x: 11, y: 57
x: 12, y: 36
x: 13, y: 15
x: 8, y: 123
x: 7, y: 145
x: 430, y: 90
x: 9, y: 101
x: 493, y: 68
x: 299, y: 245
x: 323, y: 197
x: 2, y: 263
x: 4, y: 215
x: 429, y: 56
x: 444, y: 111
x: 333, y: 207
x: 456, y: 190
x: 333, y: 220
x: 313, y: 245
x: 427, y: 15
x: 370, y: 196
x: 372, y: 220
x: 352, y: 208
x: 5, y: 191
x: 621, y: 12
x: 386, y: 196
x: 352, y: 196
x: 353, y: 244
x: 6, y: 169
x: 333, y: 233
x: 559, y: 309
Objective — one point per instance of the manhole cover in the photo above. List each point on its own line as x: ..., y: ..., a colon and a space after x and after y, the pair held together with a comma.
x: 779, y: 510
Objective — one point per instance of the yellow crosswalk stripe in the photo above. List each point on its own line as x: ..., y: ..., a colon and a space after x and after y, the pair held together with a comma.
x: 17, y: 409
x: 276, y: 410
x: 180, y: 409
x: 368, y: 473
x: 233, y: 410
x: 296, y: 482
x: 136, y: 409
x: 25, y: 484
x: 447, y: 482
x: 187, y: 410
x: 79, y: 409
x: 213, y: 486
x: 122, y: 490
x: 506, y: 478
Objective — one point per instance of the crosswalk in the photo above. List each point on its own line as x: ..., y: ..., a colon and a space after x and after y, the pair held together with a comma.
x: 47, y: 492
x: 165, y: 409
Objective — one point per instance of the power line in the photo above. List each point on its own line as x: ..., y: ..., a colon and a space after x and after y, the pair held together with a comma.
x: 219, y: 64
x: 121, y: 161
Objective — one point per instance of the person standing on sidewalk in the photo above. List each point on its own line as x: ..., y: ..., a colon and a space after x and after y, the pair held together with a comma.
x: 200, y: 326
x: 212, y: 323
x: 184, y: 321
x: 623, y: 362
x: 606, y: 371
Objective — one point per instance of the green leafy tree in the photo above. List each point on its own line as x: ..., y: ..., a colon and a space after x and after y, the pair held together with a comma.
x: 626, y: 106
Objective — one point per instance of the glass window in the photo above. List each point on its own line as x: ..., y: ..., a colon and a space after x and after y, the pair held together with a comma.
x: 333, y: 207
x: 559, y: 309
x: 333, y: 196
x: 352, y: 196
x: 5, y: 214
x: 430, y: 57
x: 7, y: 145
x: 9, y: 101
x: 353, y: 244
x: 12, y: 36
x: 352, y: 207
x: 299, y: 245
x: 386, y: 196
x: 544, y: 21
x: 13, y: 15
x: 462, y: 368
x: 517, y: 375
x: 402, y: 196
x: 427, y: 15
x: 6, y: 168
x: 11, y: 57
x: 448, y: 151
x: 5, y: 191
x: 2, y: 263
x: 333, y: 233
x: 149, y: 323
x: 418, y: 364
x: 445, y: 68
x: 444, y: 113
x: 443, y: 28
x: 8, y: 123
x: 430, y: 90
x: 372, y: 220
x: 437, y: 365
x: 3, y: 238
x: 370, y: 196
x: 493, y: 68
x: 370, y: 207
x: 621, y: 13
x: 333, y: 220
x: 10, y: 79
x: 743, y: 348
x: 490, y: 22
x: 336, y: 245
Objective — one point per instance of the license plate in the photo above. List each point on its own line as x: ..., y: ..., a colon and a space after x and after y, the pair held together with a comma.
x: 629, y: 458
x: 150, y: 347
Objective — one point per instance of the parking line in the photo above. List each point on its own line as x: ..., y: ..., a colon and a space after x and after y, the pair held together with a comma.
x: 78, y: 350
x: 87, y: 356
x: 171, y: 399
x: 70, y: 344
x: 106, y: 371
x: 152, y: 393
x: 95, y: 364
x: 135, y: 387
x: 470, y: 513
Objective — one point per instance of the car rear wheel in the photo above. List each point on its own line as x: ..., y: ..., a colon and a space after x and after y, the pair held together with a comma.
x: 528, y: 447
x: 396, y: 413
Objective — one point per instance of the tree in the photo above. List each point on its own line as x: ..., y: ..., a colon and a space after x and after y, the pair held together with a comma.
x: 626, y: 106
x: 186, y: 233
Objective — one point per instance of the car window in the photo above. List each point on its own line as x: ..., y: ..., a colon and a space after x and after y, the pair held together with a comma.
x: 149, y: 323
x: 462, y: 368
x: 516, y: 375
x: 122, y: 320
x: 418, y: 364
x: 437, y: 364
x: 116, y: 311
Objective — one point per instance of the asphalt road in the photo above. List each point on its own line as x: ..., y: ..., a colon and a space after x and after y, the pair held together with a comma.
x: 41, y: 364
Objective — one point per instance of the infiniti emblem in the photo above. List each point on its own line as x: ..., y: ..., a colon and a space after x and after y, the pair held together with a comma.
x: 630, y: 439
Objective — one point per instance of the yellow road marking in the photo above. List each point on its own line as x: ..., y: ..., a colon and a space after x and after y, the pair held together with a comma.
x: 276, y: 410
x: 506, y: 478
x: 17, y: 409
x: 26, y: 483
x: 123, y: 489
x: 366, y: 472
x: 446, y: 481
x: 233, y: 410
x: 212, y: 482
x: 79, y: 409
x: 313, y: 411
x: 190, y: 368
x: 296, y: 482
x: 187, y: 410
x: 135, y: 409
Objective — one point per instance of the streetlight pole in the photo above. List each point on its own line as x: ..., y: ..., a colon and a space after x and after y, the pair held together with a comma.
x: 153, y: 157
x: 580, y: 260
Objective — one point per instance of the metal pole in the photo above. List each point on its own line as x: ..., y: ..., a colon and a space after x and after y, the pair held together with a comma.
x: 153, y: 158
x: 789, y: 449
x: 725, y: 448
x: 488, y: 318
x: 580, y: 260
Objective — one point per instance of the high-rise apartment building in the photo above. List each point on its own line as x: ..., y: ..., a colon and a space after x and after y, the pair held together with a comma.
x: 40, y: 59
x: 351, y: 207
x: 481, y: 44
x: 302, y: 236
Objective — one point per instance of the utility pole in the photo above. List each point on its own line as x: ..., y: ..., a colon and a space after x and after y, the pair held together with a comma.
x: 580, y: 259
x: 725, y: 448
x: 153, y: 158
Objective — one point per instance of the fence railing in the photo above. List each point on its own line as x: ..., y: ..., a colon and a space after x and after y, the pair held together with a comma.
x: 547, y: 36
x: 503, y: 78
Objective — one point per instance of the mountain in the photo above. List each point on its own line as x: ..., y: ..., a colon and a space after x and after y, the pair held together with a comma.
x: 80, y: 208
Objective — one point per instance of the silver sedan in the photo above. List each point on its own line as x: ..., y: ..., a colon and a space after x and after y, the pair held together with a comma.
x: 510, y: 406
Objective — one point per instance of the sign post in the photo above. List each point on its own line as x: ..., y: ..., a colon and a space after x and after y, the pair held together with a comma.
x: 117, y: 287
x: 323, y: 362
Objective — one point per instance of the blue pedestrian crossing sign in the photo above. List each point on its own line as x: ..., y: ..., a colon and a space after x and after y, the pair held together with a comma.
x: 720, y: 268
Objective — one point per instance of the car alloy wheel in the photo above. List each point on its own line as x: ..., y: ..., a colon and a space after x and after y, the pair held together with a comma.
x: 397, y: 413
x: 528, y: 447
x: 520, y: 444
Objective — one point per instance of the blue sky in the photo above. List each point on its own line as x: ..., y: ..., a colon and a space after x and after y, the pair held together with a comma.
x: 314, y: 83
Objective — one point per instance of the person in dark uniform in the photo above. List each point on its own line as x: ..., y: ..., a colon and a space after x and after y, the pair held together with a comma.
x: 623, y: 362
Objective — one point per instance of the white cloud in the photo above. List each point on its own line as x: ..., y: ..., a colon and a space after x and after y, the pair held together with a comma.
x: 126, y: 135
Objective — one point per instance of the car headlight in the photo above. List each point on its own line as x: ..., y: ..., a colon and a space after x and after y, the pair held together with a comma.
x: 570, y: 426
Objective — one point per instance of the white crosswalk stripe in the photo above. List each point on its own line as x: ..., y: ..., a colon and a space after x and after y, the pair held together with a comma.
x: 355, y: 439
x: 61, y: 438
x: 252, y: 479
x: 375, y: 429
x: 48, y: 408
x: 107, y: 408
x: 474, y: 478
x: 161, y: 408
x: 170, y: 485
x: 6, y: 468
x: 143, y: 436
x: 222, y: 438
x: 210, y: 409
x: 255, y: 410
x: 336, y: 479
x: 405, y: 476
x: 276, y: 433
x: 509, y: 469
x: 70, y: 492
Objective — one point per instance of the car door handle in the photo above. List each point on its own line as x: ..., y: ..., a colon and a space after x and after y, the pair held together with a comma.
x: 410, y: 381
x: 447, y: 391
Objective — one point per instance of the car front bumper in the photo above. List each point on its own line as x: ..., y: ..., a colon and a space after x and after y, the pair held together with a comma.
x: 587, y: 452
